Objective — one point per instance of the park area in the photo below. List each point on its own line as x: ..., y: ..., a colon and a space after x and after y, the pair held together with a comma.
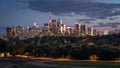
x: 39, y: 63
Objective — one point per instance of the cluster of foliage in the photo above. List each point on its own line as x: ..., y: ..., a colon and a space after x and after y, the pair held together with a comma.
x: 113, y: 40
x: 72, y: 47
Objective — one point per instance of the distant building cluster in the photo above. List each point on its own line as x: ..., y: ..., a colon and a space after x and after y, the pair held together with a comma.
x: 53, y: 28
x: 21, y: 32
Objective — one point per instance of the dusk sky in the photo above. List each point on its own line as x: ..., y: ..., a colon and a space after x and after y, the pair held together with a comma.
x: 94, y: 13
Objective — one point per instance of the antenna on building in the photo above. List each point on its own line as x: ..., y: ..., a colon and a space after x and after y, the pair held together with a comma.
x: 58, y: 17
x: 50, y: 17
x: 35, y: 24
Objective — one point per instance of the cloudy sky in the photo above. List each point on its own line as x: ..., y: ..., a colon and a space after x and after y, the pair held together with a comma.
x: 94, y: 13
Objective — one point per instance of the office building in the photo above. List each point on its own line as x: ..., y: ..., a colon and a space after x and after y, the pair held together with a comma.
x: 46, y: 30
x: 105, y: 32
x: 69, y: 31
x: 83, y: 30
x: 77, y: 29
x: 54, y: 27
x: 90, y: 31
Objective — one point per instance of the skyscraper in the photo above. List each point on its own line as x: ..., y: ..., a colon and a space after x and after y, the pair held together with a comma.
x: 63, y: 29
x: 105, y: 32
x: 46, y: 29
x: 90, y: 31
x: 83, y: 30
x: 35, y: 30
x: 69, y: 31
x: 94, y: 32
x: 59, y: 27
x: 19, y: 31
x: 11, y: 32
x: 54, y: 27
x: 0, y: 36
x: 77, y: 29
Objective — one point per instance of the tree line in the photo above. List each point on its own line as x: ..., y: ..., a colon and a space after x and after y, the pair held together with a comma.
x: 104, y: 48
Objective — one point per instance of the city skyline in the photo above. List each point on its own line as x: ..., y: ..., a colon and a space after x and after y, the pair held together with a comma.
x: 53, y: 28
x: 93, y: 13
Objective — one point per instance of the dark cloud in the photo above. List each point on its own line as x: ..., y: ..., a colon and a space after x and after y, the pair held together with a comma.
x: 79, y: 7
x: 113, y: 25
x: 113, y: 18
x: 87, y: 20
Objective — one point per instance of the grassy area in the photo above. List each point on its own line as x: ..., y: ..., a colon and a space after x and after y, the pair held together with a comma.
x: 14, y: 60
x: 86, y: 64
x: 23, y: 63
x: 16, y: 63
x: 20, y: 63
